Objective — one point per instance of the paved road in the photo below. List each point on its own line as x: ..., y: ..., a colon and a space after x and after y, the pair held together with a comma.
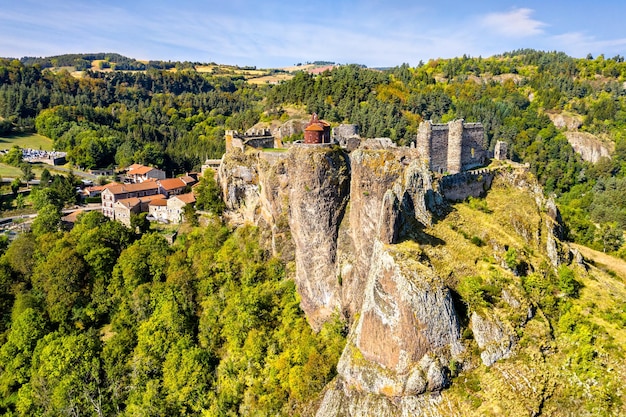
x: 78, y: 173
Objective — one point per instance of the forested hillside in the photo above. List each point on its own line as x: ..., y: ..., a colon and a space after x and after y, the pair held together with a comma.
x: 170, y: 119
x: 100, y: 321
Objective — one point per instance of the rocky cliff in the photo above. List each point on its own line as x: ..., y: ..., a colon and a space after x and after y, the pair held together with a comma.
x: 429, y: 289
x: 588, y: 146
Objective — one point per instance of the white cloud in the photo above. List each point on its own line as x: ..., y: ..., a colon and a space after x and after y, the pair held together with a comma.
x: 579, y: 44
x: 515, y: 24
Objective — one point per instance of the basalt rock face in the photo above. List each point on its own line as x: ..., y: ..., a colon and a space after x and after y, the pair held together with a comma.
x: 318, y: 194
x: 493, y: 337
x: 255, y: 189
x: 391, y: 193
x: 589, y: 147
x: 406, y: 334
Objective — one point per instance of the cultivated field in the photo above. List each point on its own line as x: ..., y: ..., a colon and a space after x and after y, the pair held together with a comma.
x: 26, y: 140
x: 271, y: 79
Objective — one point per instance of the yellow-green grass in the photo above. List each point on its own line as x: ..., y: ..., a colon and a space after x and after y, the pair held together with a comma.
x: 602, y: 260
x: 8, y: 171
x: 546, y: 372
x: 26, y: 140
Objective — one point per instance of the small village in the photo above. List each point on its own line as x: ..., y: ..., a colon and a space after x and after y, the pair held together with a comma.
x: 145, y: 190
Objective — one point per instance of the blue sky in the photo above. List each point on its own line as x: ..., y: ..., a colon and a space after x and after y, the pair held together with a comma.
x: 281, y: 33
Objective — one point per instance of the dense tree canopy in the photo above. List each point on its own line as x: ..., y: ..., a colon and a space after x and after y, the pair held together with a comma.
x: 99, y: 322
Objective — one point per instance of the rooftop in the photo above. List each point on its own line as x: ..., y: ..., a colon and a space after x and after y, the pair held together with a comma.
x: 131, y: 188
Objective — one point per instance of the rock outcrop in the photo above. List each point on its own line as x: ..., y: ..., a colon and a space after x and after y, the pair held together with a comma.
x: 589, y: 147
x: 318, y: 194
x: 391, y: 193
x: 494, y: 339
x: 564, y: 121
x: 406, y: 335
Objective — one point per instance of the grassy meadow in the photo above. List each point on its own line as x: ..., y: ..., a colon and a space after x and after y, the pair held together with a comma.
x: 26, y: 140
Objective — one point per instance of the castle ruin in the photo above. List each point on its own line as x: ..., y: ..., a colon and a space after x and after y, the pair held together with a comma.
x: 452, y: 147
x: 256, y: 138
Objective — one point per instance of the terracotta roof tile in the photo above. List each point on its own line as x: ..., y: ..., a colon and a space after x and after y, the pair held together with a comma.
x: 140, y: 170
x: 159, y: 202
x: 131, y: 188
x: 172, y: 183
x: 186, y: 198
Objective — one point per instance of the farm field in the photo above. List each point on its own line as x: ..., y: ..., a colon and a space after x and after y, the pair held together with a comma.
x: 26, y: 140
x: 271, y: 79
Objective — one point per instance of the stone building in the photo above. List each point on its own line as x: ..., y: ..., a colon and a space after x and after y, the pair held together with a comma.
x: 452, y: 147
x: 500, y: 152
x: 317, y: 131
x: 118, y: 192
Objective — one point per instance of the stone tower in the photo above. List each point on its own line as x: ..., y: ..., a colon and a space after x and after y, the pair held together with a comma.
x: 451, y: 147
x: 422, y: 143
x: 455, y: 146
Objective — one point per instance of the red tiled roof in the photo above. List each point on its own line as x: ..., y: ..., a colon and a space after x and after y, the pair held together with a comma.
x: 159, y: 202
x: 72, y: 217
x: 186, y: 198
x: 315, y: 127
x: 129, y: 202
x: 131, y: 188
x: 133, y: 201
x: 188, y: 179
x: 140, y: 170
x: 172, y: 183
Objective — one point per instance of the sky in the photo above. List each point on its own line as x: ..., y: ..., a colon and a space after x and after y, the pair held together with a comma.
x: 273, y: 34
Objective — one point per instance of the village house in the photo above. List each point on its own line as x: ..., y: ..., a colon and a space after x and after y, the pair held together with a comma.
x: 118, y: 192
x: 176, y: 206
x: 102, y: 172
x: 148, y: 191
x: 157, y: 210
x: 140, y: 173
x: 170, y: 210
x: 125, y: 208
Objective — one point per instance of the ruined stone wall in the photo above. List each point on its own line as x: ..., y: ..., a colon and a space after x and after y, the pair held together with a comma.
x: 345, y: 131
x: 473, y: 153
x: 422, y: 142
x: 460, y: 186
x: 500, y: 152
x: 439, y: 148
x: 451, y: 148
x: 261, y: 142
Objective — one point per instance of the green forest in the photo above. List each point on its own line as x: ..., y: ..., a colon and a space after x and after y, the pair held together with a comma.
x: 104, y: 320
